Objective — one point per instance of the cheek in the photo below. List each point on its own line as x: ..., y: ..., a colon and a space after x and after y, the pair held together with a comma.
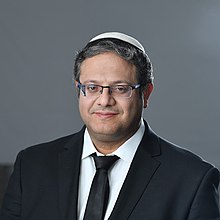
x: 84, y: 106
x: 132, y: 108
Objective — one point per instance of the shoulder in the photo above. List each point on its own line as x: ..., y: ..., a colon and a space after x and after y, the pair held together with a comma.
x: 174, y: 157
x: 181, y: 159
x: 50, y: 149
x: 169, y: 153
x: 52, y: 145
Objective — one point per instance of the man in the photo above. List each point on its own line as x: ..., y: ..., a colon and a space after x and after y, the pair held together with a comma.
x: 150, y: 178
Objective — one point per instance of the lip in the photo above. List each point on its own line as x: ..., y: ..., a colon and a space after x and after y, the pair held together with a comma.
x: 105, y: 114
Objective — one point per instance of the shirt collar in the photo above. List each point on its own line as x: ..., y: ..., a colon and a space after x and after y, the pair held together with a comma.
x: 126, y: 151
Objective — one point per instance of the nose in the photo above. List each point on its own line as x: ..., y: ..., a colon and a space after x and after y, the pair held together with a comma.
x: 105, y: 98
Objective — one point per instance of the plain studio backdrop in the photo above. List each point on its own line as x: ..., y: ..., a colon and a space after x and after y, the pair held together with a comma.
x: 38, y: 43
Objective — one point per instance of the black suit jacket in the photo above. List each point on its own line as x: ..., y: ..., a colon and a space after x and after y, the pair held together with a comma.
x: 164, y: 182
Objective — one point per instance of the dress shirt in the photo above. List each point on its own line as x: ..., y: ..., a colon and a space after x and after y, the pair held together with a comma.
x: 116, y: 174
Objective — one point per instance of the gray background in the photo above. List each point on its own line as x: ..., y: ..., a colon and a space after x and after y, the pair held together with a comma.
x: 38, y: 41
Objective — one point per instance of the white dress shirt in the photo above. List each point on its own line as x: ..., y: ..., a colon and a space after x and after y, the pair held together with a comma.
x: 116, y: 174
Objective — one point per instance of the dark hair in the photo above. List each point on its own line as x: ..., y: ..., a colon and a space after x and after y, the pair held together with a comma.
x: 125, y: 50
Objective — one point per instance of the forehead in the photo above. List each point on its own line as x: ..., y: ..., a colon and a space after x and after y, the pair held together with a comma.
x: 107, y: 67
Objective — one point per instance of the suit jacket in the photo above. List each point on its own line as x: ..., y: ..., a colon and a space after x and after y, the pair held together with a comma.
x: 164, y: 182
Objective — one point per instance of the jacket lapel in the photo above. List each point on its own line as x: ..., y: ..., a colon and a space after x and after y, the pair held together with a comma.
x: 141, y: 171
x: 69, y: 168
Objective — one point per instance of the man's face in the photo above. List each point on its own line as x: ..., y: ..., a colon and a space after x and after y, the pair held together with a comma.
x: 108, y: 118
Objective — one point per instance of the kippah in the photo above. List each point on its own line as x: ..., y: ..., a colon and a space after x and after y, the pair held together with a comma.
x: 120, y: 36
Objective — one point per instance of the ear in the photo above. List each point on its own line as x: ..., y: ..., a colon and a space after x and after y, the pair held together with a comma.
x: 146, y: 94
x: 76, y: 87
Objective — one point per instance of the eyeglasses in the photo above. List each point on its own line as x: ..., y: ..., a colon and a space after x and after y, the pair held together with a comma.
x: 121, y: 91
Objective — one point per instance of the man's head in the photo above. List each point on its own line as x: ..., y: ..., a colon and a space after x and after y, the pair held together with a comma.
x: 124, y: 46
x: 115, y: 77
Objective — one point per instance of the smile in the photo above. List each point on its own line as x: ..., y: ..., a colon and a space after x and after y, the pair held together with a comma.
x: 105, y: 114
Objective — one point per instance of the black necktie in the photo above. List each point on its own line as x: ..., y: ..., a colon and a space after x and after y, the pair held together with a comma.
x: 99, y: 192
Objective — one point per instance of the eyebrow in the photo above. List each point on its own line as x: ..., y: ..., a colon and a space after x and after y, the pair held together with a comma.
x: 111, y: 83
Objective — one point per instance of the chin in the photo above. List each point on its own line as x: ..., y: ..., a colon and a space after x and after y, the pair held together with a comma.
x: 105, y: 130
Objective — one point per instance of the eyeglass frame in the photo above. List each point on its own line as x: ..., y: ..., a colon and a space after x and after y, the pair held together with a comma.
x: 82, y: 87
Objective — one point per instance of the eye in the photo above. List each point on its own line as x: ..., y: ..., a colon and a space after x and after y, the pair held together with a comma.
x: 121, y: 89
x: 92, y: 88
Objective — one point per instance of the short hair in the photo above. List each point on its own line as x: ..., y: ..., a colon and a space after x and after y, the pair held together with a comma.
x: 127, y: 51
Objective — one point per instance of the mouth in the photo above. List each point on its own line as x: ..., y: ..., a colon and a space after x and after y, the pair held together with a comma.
x: 105, y: 114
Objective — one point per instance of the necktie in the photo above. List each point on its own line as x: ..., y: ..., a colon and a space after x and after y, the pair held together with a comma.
x: 99, y: 192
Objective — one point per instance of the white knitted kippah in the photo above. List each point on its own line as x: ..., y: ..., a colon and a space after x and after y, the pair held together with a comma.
x: 120, y: 36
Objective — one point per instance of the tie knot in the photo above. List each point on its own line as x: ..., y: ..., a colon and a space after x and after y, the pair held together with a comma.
x: 104, y: 162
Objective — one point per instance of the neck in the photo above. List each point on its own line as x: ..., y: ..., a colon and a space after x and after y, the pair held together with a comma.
x: 106, y: 145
